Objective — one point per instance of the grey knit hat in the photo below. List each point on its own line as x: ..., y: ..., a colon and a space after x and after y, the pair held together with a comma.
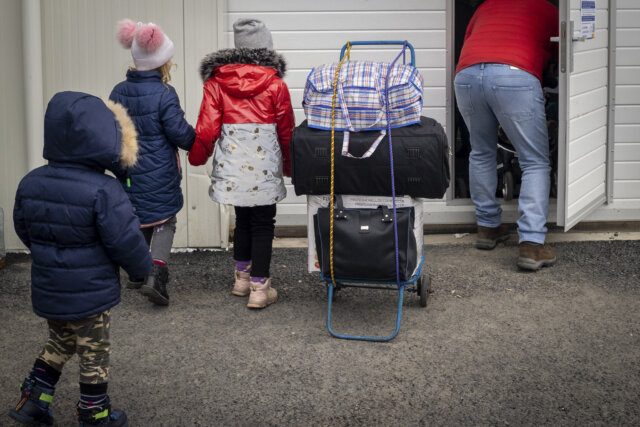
x: 251, y: 33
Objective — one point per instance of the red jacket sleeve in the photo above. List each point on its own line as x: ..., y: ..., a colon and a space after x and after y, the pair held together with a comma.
x: 285, y: 122
x: 208, y: 126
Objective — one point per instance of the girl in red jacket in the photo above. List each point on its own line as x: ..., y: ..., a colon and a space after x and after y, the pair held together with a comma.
x: 246, y: 108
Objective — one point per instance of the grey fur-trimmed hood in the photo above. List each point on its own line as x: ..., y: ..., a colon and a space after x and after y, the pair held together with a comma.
x: 264, y: 57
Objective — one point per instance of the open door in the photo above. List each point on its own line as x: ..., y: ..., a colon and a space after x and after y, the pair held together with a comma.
x: 583, y: 113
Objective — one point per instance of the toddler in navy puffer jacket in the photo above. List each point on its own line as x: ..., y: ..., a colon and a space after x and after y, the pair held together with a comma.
x: 80, y: 228
x: 153, y: 185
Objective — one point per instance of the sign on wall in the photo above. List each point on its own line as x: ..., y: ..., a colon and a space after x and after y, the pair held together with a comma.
x: 587, y: 19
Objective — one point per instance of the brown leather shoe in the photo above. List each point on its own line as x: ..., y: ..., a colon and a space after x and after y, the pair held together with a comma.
x: 534, y: 256
x: 488, y: 237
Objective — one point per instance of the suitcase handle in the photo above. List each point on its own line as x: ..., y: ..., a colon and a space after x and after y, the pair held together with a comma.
x: 381, y: 42
x: 370, y: 150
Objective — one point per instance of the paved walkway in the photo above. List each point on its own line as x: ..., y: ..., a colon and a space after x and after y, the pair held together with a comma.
x: 495, y: 346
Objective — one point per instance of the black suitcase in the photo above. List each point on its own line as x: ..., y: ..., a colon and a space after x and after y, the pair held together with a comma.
x: 420, y: 158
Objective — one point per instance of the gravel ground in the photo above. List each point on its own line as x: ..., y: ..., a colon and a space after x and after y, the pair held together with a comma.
x: 495, y: 346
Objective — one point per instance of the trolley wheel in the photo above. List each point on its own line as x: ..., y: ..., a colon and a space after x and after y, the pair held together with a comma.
x: 507, y: 186
x: 424, y: 288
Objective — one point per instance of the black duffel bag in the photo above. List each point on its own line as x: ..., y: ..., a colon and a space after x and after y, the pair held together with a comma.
x: 420, y: 161
x: 364, y: 243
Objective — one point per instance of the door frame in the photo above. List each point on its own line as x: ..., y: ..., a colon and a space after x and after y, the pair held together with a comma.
x: 509, y: 208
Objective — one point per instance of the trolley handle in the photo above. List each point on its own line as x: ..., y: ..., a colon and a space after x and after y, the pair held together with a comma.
x: 381, y: 42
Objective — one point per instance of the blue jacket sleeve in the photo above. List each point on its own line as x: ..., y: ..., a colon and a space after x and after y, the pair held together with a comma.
x: 179, y: 132
x: 19, y: 223
x: 119, y: 231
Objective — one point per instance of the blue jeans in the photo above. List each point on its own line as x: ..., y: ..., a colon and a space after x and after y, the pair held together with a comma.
x: 492, y: 94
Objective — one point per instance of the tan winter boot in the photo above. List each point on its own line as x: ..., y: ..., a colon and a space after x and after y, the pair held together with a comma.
x: 488, y: 237
x: 534, y: 256
x: 262, y: 295
x: 242, y: 284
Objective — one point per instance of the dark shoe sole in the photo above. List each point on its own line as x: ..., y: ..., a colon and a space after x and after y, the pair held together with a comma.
x: 120, y: 421
x: 28, y: 420
x: 532, y: 265
x: 154, y: 296
x: 488, y: 244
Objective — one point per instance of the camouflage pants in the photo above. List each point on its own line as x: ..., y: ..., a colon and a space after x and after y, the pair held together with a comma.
x: 89, y: 338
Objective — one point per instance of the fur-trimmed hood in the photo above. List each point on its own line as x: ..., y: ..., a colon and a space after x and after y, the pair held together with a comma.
x: 129, y: 142
x: 263, y: 57
x: 81, y: 128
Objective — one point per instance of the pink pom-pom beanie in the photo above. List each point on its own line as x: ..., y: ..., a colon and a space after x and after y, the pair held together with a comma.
x: 150, y: 47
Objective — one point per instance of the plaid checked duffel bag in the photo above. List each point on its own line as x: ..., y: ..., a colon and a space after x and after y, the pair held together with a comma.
x: 360, y: 101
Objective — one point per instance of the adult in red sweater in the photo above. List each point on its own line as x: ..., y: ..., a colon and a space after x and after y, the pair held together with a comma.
x: 498, y: 82
x: 246, y: 108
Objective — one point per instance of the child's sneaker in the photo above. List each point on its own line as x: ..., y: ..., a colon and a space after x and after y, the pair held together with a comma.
x: 102, y: 416
x: 242, y: 285
x: 262, y: 294
x: 33, y: 408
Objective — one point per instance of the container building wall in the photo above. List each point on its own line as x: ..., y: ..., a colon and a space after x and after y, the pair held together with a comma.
x: 80, y: 53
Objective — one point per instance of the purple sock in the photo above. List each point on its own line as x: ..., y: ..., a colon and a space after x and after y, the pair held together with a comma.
x: 243, y: 266
x: 262, y: 280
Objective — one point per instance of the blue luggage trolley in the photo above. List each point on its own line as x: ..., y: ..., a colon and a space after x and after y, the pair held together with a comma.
x: 420, y: 281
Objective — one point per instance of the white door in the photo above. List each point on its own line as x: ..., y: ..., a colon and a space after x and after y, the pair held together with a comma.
x: 80, y: 52
x: 583, y: 136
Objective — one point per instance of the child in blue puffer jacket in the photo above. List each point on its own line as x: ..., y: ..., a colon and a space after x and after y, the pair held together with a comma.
x: 80, y: 228
x: 153, y: 185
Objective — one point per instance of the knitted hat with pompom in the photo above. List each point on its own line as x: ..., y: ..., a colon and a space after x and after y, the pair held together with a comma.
x: 150, y: 47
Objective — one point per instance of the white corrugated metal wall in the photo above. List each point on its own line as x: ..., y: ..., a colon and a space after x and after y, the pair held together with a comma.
x: 309, y: 33
x: 626, y: 184
x: 625, y: 205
